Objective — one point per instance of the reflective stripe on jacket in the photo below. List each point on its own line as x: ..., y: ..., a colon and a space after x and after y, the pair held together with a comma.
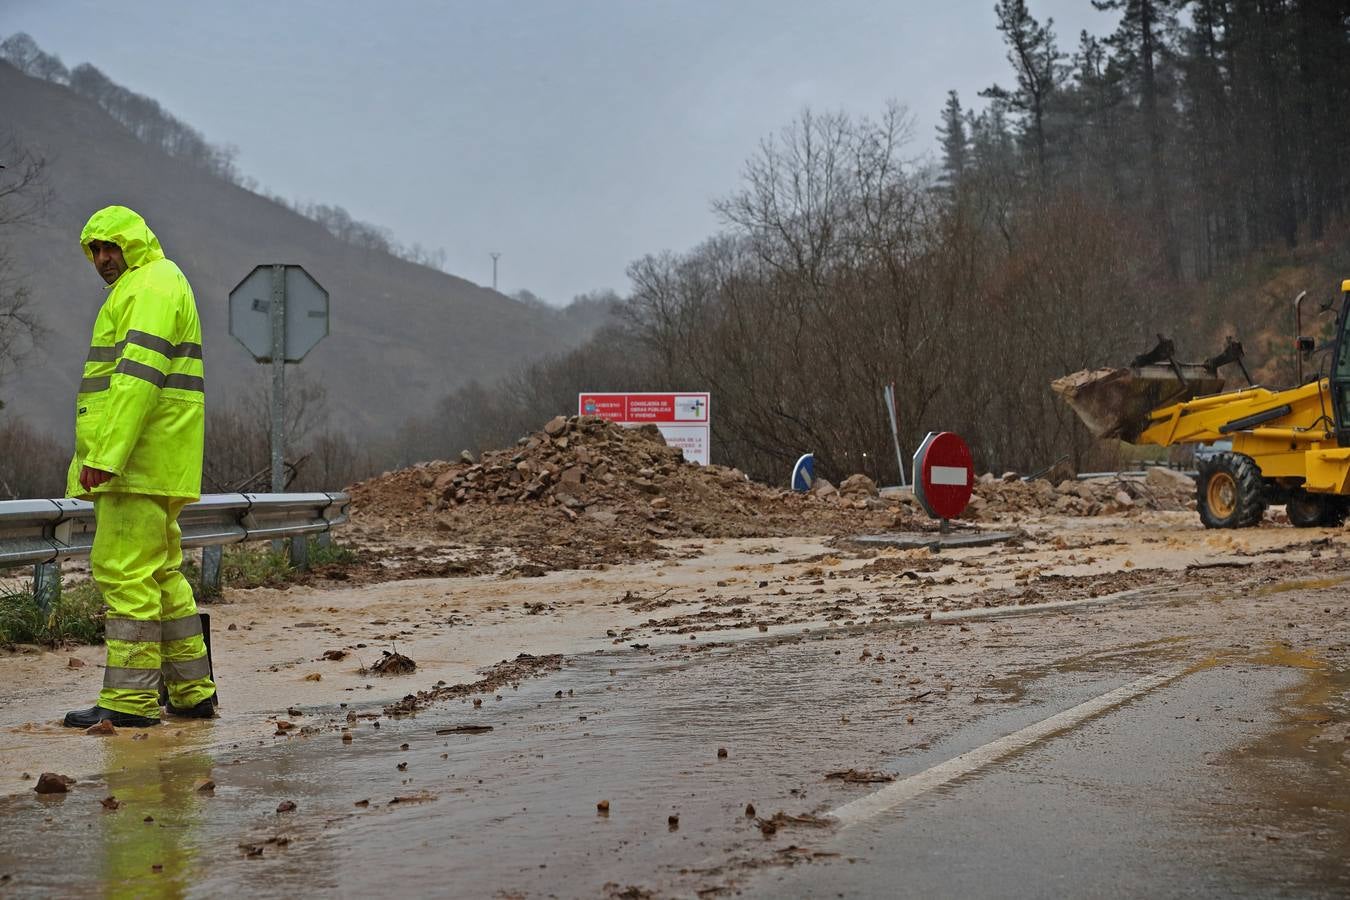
x: 140, y: 411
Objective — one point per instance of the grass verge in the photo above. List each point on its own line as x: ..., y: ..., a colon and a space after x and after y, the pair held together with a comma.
x: 255, y: 565
x: 76, y: 616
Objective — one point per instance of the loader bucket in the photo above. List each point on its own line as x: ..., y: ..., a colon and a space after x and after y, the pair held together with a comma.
x: 1115, y: 403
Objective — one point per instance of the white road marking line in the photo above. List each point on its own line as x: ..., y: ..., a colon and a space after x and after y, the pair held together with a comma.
x: 898, y: 792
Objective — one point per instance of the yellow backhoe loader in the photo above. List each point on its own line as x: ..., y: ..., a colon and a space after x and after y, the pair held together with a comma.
x: 1288, y: 446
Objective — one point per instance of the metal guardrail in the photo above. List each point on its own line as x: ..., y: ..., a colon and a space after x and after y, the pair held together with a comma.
x: 42, y: 533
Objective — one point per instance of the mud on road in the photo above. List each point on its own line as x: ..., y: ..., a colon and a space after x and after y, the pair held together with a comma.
x: 800, y: 656
x: 714, y: 765
x: 314, y: 644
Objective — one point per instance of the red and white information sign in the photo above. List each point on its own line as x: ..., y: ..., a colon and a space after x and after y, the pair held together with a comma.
x: 944, y: 474
x: 683, y: 419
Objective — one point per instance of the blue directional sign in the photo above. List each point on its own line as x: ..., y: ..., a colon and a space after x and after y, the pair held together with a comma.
x: 804, y: 473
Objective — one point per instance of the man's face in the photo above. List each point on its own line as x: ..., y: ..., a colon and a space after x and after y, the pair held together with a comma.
x: 108, y: 260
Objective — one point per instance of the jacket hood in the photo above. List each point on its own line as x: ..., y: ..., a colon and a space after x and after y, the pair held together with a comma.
x: 125, y: 228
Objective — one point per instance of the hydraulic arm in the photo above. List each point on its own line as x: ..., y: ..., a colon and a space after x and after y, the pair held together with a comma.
x: 1288, y: 446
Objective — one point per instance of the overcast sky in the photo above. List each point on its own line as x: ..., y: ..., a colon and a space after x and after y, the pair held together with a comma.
x: 572, y: 136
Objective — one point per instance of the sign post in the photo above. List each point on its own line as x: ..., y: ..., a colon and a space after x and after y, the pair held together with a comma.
x: 278, y: 354
x: 944, y: 476
x: 888, y: 397
x: 279, y: 313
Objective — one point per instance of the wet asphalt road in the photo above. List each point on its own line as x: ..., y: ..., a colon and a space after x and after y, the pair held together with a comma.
x: 1223, y: 782
x: 1141, y: 801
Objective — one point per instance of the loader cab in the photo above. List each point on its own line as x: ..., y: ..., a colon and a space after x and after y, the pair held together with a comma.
x: 1340, y: 371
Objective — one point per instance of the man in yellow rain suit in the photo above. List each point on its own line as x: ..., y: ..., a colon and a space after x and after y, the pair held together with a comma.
x: 139, y: 425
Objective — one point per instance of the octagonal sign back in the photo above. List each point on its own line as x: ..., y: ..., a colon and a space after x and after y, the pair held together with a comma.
x: 306, y: 313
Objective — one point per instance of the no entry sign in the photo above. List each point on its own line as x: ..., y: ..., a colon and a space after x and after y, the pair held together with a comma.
x: 944, y: 475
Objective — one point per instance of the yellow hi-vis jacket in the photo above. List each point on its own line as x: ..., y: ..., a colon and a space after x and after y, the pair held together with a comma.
x: 140, y: 412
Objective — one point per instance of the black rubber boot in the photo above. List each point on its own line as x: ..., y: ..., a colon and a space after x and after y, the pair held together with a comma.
x: 85, y: 718
x: 204, y: 710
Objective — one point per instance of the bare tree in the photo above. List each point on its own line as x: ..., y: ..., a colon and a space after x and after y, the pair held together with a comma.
x: 238, y: 433
x: 32, y: 464
x: 23, y: 196
x: 19, y: 322
x: 24, y: 54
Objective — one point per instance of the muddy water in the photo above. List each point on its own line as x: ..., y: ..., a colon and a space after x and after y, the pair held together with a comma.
x: 1296, y: 777
x: 512, y: 812
x: 269, y: 643
x: 515, y: 809
x: 1213, y: 786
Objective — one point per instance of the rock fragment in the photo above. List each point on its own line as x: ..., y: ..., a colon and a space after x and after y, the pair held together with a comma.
x: 858, y: 486
x: 393, y: 663
x: 51, y: 783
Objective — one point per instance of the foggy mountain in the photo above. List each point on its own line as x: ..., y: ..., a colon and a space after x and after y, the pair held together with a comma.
x: 401, y: 335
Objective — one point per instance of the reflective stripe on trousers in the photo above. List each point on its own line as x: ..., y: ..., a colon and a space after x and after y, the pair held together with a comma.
x: 152, y: 629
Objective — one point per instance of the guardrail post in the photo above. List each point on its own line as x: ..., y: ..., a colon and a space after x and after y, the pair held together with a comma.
x: 211, y: 571
x: 46, y: 585
x: 299, y: 552
x: 324, y: 539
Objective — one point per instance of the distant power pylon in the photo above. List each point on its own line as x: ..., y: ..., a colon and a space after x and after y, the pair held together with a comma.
x: 495, y: 256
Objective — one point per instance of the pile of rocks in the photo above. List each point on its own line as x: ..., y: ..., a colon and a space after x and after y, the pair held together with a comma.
x: 584, y: 479
x: 858, y: 490
x: 1159, y: 489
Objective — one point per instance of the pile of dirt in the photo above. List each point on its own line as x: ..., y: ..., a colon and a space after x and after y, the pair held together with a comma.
x: 1159, y: 489
x: 584, y: 491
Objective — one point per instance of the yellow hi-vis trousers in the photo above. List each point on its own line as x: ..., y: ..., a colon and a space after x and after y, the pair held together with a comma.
x: 152, y: 629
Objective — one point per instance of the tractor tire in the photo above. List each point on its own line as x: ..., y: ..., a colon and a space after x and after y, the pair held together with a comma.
x: 1315, y: 510
x: 1229, y: 492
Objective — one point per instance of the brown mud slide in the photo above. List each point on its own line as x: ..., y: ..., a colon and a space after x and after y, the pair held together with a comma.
x: 584, y: 491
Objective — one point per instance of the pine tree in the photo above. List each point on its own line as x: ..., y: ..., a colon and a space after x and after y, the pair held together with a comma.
x: 1036, y: 62
x: 955, y: 143
x: 1095, y: 147
x: 1140, y: 45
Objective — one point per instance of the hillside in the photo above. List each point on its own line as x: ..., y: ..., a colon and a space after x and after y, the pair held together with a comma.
x: 402, y: 335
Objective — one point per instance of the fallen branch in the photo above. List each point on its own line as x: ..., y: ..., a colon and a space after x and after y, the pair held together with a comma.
x: 853, y: 776
x: 465, y: 729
